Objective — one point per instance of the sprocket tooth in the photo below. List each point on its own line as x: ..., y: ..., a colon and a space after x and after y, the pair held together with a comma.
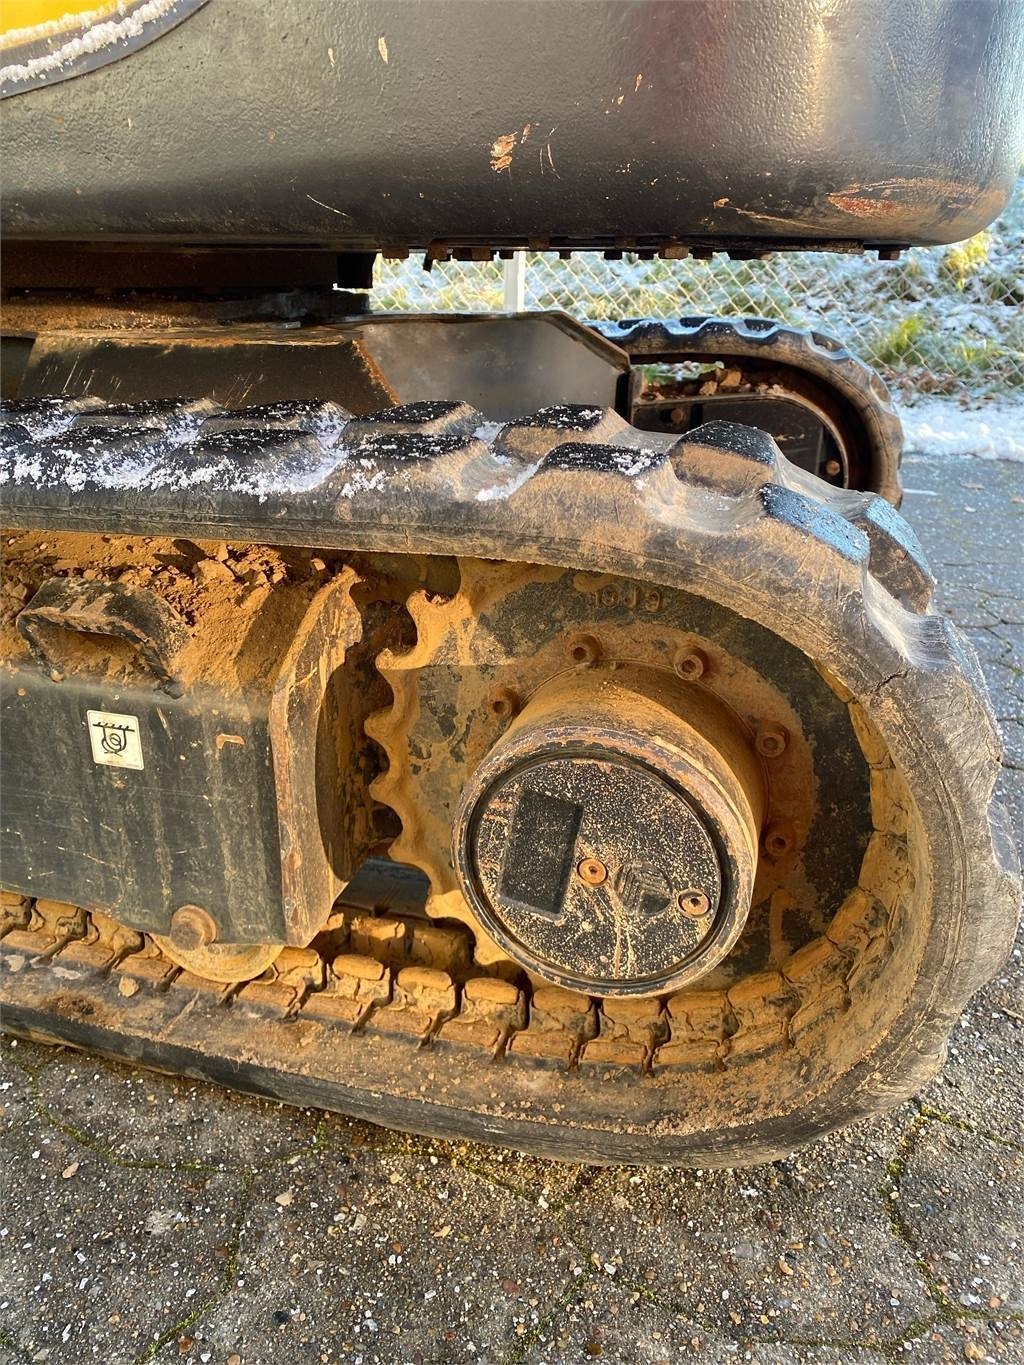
x: 386, y: 728
x: 440, y: 417
x: 423, y: 609
x: 389, y: 728
x: 535, y: 436
x: 422, y: 831
x: 727, y: 456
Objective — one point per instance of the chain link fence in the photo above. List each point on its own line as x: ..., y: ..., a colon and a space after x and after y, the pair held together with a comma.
x: 943, y: 320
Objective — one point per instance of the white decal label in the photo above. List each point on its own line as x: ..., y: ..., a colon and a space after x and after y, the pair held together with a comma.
x: 115, y: 739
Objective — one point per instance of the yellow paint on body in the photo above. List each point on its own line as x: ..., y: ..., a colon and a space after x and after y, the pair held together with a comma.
x: 23, y: 20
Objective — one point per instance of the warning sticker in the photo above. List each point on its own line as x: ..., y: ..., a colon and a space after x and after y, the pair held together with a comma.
x: 115, y: 739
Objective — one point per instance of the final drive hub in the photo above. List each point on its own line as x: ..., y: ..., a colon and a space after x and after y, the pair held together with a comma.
x: 608, y: 842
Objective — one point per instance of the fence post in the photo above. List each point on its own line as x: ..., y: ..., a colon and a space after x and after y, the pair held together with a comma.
x: 513, y: 276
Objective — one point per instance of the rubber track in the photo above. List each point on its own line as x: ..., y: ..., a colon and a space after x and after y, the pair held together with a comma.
x: 878, y: 431
x: 404, y: 974
x: 836, y: 573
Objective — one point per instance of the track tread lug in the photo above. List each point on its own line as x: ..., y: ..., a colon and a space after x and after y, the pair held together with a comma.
x: 828, y: 528
x: 532, y: 437
x: 174, y: 418
x: 727, y: 456
x: 896, y: 558
x: 573, y: 456
x: 386, y: 450
x: 39, y: 418
x: 325, y: 420
x: 438, y: 417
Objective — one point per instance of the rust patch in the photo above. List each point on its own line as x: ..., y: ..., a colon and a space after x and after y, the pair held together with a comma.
x: 501, y: 151
x: 922, y: 209
x: 891, y: 198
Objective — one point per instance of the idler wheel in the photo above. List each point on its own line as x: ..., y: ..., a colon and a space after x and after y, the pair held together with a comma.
x: 609, y: 840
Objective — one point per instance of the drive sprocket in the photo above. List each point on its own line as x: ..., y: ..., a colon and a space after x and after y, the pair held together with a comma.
x: 514, y: 635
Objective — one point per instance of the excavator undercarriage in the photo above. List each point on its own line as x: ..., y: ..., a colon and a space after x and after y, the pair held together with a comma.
x: 495, y: 726
x: 691, y: 786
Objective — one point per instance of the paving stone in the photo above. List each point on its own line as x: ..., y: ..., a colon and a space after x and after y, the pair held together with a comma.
x: 142, y: 1117
x: 97, y: 1261
x: 799, y: 1249
x: 961, y: 1198
x: 787, y: 1353
x: 952, y: 1343
x: 610, y: 1320
x: 982, y: 1082
x: 17, y: 1098
x: 390, y: 1256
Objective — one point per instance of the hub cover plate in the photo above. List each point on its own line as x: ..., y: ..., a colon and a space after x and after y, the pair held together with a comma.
x: 583, y: 862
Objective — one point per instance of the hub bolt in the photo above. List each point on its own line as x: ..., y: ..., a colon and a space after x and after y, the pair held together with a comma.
x: 592, y: 871
x: 778, y: 841
x: 694, y: 903
x: 503, y: 703
x: 691, y: 664
x: 771, y: 740
x: 192, y: 927
x: 584, y: 649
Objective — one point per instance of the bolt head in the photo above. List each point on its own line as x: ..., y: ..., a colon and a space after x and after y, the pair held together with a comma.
x: 504, y: 703
x: 691, y: 664
x: 779, y: 840
x: 592, y: 871
x: 584, y: 649
x: 771, y: 740
x: 192, y: 927
x: 694, y: 903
